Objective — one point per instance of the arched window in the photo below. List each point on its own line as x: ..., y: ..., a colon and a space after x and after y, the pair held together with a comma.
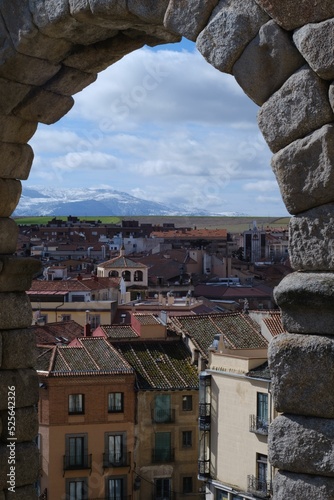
x: 113, y: 274
x: 138, y: 276
x: 126, y: 275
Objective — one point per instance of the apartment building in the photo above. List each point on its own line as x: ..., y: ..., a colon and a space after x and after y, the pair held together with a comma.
x: 87, y: 421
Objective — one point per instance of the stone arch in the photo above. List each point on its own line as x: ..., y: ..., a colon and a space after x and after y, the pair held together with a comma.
x: 280, y: 52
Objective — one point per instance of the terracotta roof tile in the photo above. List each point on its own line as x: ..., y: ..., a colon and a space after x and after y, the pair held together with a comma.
x: 121, y: 262
x: 274, y: 323
x: 55, y: 333
x: 118, y: 331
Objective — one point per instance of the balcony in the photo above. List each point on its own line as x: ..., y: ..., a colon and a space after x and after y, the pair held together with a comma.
x: 113, y: 461
x: 204, y: 416
x: 163, y: 416
x: 258, y: 425
x: 204, y: 468
x: 162, y: 456
x: 72, y: 462
x: 261, y: 489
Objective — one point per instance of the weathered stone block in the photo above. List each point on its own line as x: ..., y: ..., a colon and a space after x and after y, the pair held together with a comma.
x: 302, y: 444
x: 188, y: 18
x: 26, y: 386
x: 305, y: 171
x: 306, y: 300
x: 315, y: 43
x: 311, y: 240
x: 18, y: 349
x: 149, y: 11
x: 231, y: 27
x: 8, y: 235
x: 15, y: 311
x: 287, y: 485
x: 43, y: 106
x: 11, y: 94
x: 291, y: 14
x: 24, y: 493
x: 298, y: 108
x: 267, y: 62
x: 302, y: 374
x: 16, y: 160
x: 69, y: 81
x: 28, y: 70
x: 25, y: 453
x: 10, y: 192
x: 101, y: 55
x: 13, y: 129
x: 26, y: 424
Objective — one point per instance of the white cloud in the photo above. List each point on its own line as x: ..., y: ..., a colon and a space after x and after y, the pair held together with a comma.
x: 261, y: 185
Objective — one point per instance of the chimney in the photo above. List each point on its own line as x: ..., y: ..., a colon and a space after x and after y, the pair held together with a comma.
x: 87, y: 332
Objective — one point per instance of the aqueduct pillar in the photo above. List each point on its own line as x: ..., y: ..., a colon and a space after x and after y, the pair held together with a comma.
x: 281, y: 52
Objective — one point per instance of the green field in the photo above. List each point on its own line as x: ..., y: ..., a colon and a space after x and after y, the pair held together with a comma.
x: 232, y: 224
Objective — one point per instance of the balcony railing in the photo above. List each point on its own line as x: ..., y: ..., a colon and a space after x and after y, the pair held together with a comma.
x: 161, y: 456
x: 204, y: 416
x: 204, y: 468
x: 163, y: 416
x: 112, y: 461
x: 258, y: 425
x: 258, y: 487
x: 72, y: 462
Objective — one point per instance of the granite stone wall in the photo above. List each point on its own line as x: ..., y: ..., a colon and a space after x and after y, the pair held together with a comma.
x: 281, y: 53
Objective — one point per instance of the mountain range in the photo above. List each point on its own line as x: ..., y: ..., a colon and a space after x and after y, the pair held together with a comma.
x: 46, y: 201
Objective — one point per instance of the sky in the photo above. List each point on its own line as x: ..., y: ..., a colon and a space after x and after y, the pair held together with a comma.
x: 163, y: 125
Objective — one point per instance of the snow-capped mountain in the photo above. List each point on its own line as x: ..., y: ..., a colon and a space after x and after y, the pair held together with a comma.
x: 38, y: 201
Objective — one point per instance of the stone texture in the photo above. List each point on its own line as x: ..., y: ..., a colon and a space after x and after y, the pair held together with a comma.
x: 8, y: 235
x: 331, y: 95
x: 26, y: 424
x: 298, y: 108
x: 305, y: 171
x: 291, y: 14
x: 150, y: 11
x: 232, y: 26
x: 69, y: 81
x: 189, y: 18
x: 316, y: 43
x: 18, y: 349
x: 25, y: 453
x: 302, y: 371
x: 16, y: 273
x: 26, y: 388
x: 302, y: 444
x: 101, y: 55
x: 301, y: 296
x: 23, y: 493
x: 287, y: 485
x: 11, y: 94
x: 13, y: 129
x: 16, y: 160
x: 10, y: 192
x: 311, y: 240
x: 43, y: 106
x: 10, y: 304
x: 27, y: 70
x: 267, y: 62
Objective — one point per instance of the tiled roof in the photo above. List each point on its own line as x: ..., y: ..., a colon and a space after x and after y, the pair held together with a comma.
x: 70, y: 285
x: 56, y: 333
x: 274, y: 323
x: 118, y: 331
x: 231, y: 292
x: 121, y: 262
x: 191, y: 233
x: 146, y: 319
x: 239, y: 331
x: 92, y: 356
x: 160, y: 365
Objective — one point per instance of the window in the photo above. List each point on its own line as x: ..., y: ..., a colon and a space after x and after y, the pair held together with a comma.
x: 138, y: 276
x: 113, y: 274
x: 94, y: 320
x: 187, y: 484
x: 162, y: 489
x: 76, y: 404
x: 76, y: 489
x: 66, y: 317
x: 116, y: 488
x: 115, y: 402
x: 162, y: 408
x: 115, y: 449
x: 187, y: 403
x: 262, y: 409
x: 221, y: 495
x: 162, y: 450
x: 126, y: 275
x: 76, y: 452
x: 187, y: 439
x: 261, y: 461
